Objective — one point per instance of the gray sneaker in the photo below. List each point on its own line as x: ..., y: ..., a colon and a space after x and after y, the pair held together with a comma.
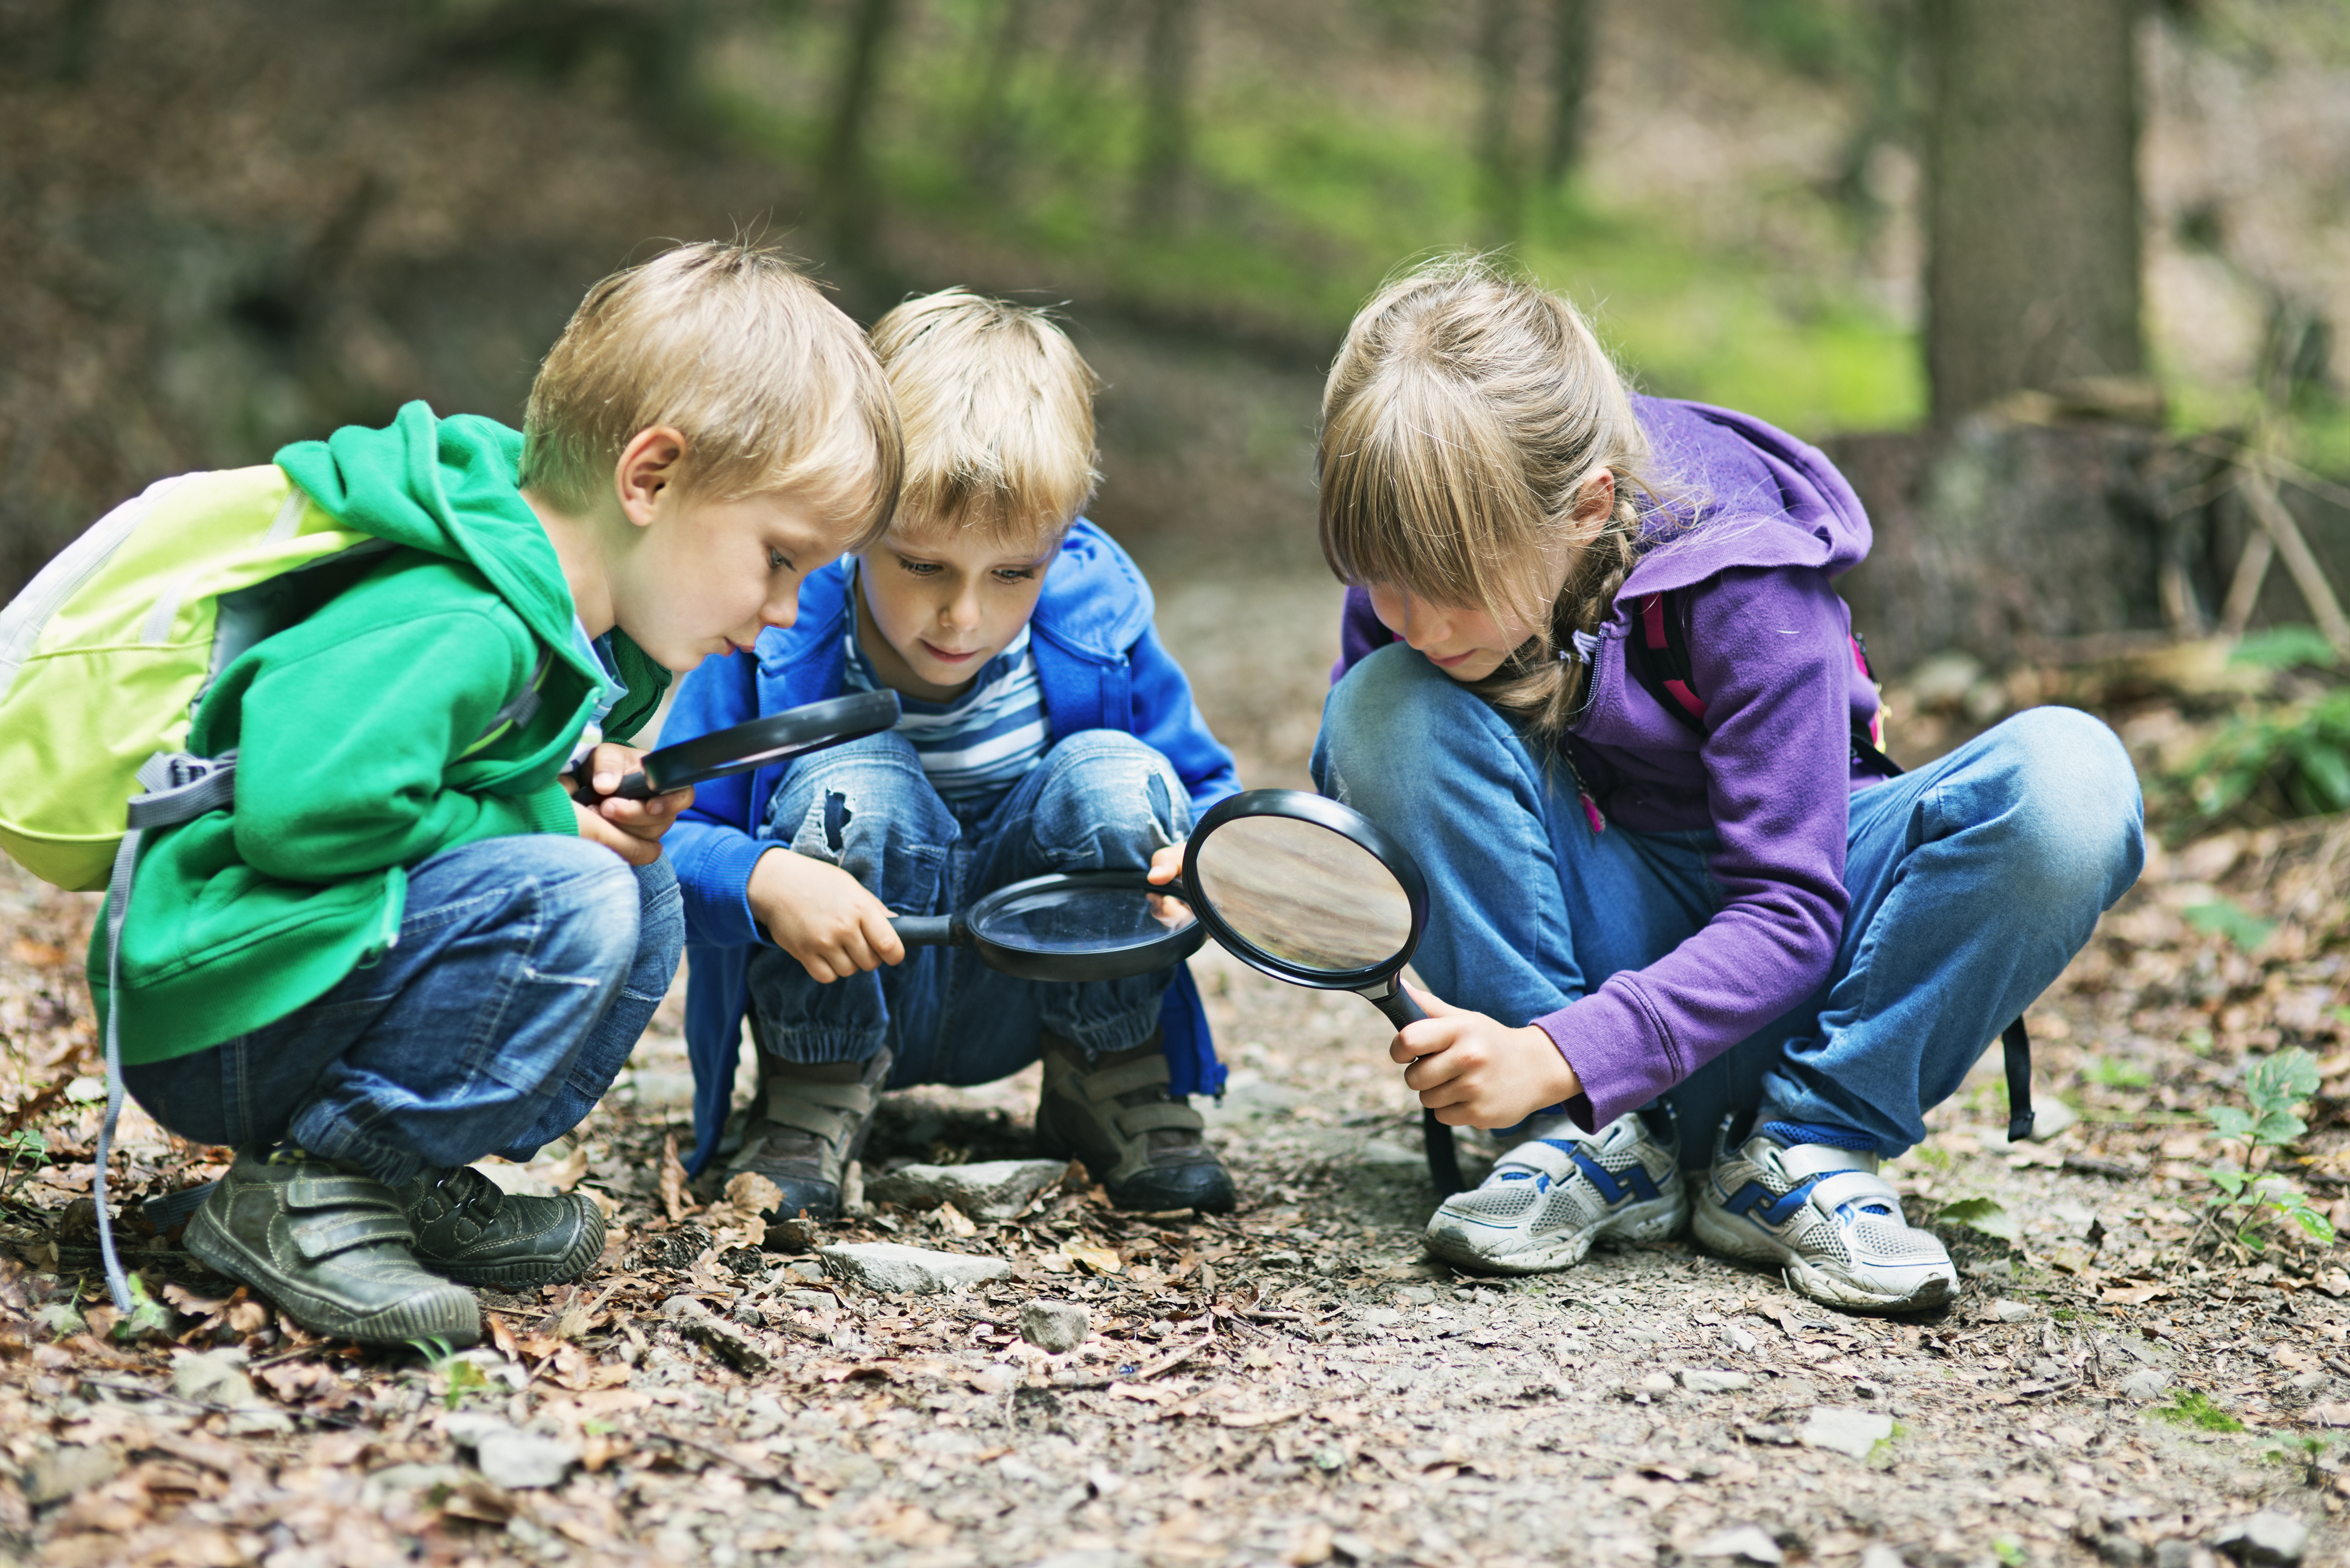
x: 1144, y: 1146
x: 331, y: 1247
x: 471, y: 1230
x: 809, y: 1122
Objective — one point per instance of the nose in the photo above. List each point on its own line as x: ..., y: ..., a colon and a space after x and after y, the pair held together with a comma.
x: 1424, y: 626
x: 960, y: 612
x: 782, y: 611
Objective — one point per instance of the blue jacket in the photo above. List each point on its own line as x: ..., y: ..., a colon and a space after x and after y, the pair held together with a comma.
x: 1101, y: 668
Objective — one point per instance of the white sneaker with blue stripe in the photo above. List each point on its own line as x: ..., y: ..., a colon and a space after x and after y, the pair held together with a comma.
x: 1826, y: 1218
x: 1561, y: 1190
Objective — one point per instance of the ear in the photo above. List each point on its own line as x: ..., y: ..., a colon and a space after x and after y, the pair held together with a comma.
x: 647, y: 467
x: 1596, y: 499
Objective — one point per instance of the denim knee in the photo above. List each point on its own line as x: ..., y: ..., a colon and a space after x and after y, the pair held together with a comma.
x: 869, y: 808
x: 2068, y: 806
x: 588, y: 902
x: 1394, y: 721
x: 661, y: 918
x: 1106, y: 803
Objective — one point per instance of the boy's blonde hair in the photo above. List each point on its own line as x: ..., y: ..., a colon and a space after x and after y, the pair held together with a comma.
x: 1465, y: 411
x: 773, y: 388
x: 998, y: 410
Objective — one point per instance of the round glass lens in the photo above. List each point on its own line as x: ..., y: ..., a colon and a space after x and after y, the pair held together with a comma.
x: 1304, y: 895
x: 1084, y: 921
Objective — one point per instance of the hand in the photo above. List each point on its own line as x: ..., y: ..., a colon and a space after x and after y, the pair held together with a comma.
x: 1475, y: 1071
x: 1166, y: 865
x: 822, y: 916
x: 631, y: 829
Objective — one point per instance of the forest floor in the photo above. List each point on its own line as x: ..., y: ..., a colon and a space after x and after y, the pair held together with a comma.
x: 1295, y: 1382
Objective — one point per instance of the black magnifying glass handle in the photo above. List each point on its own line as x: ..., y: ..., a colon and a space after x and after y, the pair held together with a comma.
x: 632, y: 786
x: 1443, y: 1157
x: 924, y: 930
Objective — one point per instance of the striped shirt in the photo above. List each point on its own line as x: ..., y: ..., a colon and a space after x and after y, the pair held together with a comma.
x: 981, y: 743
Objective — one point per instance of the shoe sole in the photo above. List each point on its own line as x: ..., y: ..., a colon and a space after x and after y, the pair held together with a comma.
x: 577, y: 1259
x: 1652, y: 1220
x: 452, y: 1316
x: 1720, y: 1232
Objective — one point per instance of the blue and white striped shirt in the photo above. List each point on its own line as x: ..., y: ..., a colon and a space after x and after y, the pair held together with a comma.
x: 981, y: 743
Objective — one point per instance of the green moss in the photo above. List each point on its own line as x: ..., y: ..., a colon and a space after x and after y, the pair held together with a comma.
x: 2193, y: 1408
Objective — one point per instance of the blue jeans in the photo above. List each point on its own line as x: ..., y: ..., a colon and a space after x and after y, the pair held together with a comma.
x: 1974, y: 879
x: 526, y: 967
x: 1100, y: 801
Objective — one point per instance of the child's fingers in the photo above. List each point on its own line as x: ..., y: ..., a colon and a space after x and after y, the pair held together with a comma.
x: 1425, y: 1038
x: 1166, y: 865
x: 881, y: 937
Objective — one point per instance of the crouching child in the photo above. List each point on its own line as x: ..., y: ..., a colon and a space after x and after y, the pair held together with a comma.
x: 1045, y: 730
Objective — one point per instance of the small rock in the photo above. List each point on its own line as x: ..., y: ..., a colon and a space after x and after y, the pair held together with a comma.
x: 1056, y: 1326
x: 992, y: 1189
x: 2008, y: 1311
x: 722, y: 1338
x: 1876, y: 1554
x: 2146, y: 1385
x: 215, y: 1377
x: 810, y: 1272
x: 1853, y: 1432
x: 2120, y: 1550
x: 1655, y: 1383
x: 1865, y: 1389
x: 1703, y: 1380
x: 1748, y: 1543
x: 891, y: 1266
x: 1740, y: 1340
x: 2268, y: 1537
x: 518, y: 1459
x: 1278, y: 1260
x: 63, y: 1471
x: 2051, y: 1116
x: 1415, y: 1296
x: 2173, y: 1553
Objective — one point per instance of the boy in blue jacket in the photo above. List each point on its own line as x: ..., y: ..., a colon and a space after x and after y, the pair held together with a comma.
x: 1045, y: 730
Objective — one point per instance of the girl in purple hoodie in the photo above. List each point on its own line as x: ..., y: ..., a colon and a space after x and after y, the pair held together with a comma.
x: 1734, y: 918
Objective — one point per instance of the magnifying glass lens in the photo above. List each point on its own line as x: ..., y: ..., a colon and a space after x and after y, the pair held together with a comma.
x: 1303, y: 894
x: 1082, y: 919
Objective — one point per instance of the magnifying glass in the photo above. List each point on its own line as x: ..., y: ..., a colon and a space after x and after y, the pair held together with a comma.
x: 795, y: 731
x: 1310, y: 891
x: 1070, y: 926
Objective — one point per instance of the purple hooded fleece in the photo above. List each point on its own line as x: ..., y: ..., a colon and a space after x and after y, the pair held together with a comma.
x: 1773, y: 773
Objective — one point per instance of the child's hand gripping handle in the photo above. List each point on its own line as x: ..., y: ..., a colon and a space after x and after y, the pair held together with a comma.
x: 632, y: 786
x: 925, y: 930
x: 1443, y: 1159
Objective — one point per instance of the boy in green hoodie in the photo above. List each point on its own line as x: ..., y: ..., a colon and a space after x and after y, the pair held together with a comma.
x: 405, y: 947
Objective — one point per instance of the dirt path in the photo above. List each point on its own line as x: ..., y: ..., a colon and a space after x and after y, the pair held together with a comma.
x: 1295, y: 1384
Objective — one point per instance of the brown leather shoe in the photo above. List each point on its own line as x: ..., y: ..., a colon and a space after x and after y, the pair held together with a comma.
x: 1144, y: 1146
x: 809, y: 1122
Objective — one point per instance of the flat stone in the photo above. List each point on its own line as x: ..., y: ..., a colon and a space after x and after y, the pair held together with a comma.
x: 989, y: 1190
x: 1747, y: 1543
x: 1056, y: 1326
x: 519, y: 1459
x: 1705, y: 1380
x: 1876, y: 1554
x: 2146, y: 1385
x: 2013, y: 1310
x: 215, y: 1377
x: 1656, y: 1383
x: 63, y: 1471
x: 2267, y: 1537
x: 891, y: 1266
x: 2050, y: 1116
x: 1853, y: 1432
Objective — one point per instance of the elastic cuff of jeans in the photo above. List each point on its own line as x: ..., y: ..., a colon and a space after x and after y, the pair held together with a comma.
x: 818, y: 1047
x: 325, y: 1135
x: 1108, y: 1036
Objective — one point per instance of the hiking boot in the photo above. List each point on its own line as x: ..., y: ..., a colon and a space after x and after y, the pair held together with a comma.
x: 1553, y: 1196
x: 332, y: 1248
x: 471, y: 1230
x: 1826, y: 1218
x: 1141, y: 1143
x: 810, y: 1121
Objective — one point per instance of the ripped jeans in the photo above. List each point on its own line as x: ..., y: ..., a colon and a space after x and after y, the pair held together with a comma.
x: 1100, y: 801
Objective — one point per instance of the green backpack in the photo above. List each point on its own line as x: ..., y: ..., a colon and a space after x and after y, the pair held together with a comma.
x: 103, y: 658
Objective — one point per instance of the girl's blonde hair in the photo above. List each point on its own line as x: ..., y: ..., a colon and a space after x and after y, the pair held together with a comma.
x: 1467, y: 409
x: 773, y: 388
x: 998, y: 410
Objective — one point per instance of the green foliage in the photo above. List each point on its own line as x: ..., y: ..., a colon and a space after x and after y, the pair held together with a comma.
x: 460, y: 1376
x: 2223, y: 918
x: 2111, y: 1074
x: 1980, y: 1214
x: 2281, y: 760
x: 148, y: 1316
x: 2285, y: 648
x: 2275, y: 1086
x: 2010, y: 1550
x: 2193, y: 1408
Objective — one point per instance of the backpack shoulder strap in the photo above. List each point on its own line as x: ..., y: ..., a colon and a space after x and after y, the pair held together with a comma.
x: 1656, y: 655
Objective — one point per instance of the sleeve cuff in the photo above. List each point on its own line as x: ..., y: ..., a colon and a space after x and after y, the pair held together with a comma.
x: 715, y: 876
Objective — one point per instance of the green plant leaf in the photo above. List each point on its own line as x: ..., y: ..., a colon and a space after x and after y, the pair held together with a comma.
x: 2108, y: 1072
x: 2228, y: 1179
x: 1980, y: 1214
x: 2193, y: 1408
x: 2320, y: 1229
x: 2223, y: 919
x: 2285, y: 1078
x: 2284, y: 647
x: 2277, y: 1128
x: 2230, y: 1123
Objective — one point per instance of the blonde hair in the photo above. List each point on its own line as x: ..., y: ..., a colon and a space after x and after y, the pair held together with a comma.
x: 998, y: 408
x: 773, y: 388
x: 1466, y: 410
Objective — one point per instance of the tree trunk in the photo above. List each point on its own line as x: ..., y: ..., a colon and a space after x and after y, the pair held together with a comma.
x: 1570, y: 82
x: 1498, y: 176
x: 2032, y: 275
x: 845, y: 194
x: 1170, y: 47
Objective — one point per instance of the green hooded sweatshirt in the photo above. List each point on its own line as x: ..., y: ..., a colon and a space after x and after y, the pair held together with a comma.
x: 352, y: 730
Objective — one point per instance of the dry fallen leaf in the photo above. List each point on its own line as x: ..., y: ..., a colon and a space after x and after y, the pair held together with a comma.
x: 672, y: 1183
x: 1099, y: 1259
x: 953, y: 1220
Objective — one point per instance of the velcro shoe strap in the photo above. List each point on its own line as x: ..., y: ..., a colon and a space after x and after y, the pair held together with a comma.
x: 1552, y: 1161
x: 1157, y: 1116
x: 324, y: 1235
x: 1850, y: 1186
x: 339, y: 1192
x: 1151, y: 1072
x: 1804, y: 1159
x: 808, y: 1118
